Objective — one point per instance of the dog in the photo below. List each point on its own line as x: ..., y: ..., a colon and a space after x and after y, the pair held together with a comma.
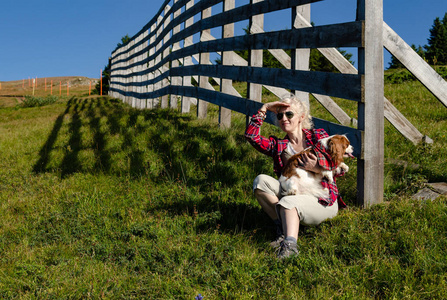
x: 295, y: 180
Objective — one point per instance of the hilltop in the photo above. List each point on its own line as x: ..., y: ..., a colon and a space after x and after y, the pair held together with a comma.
x: 12, y: 92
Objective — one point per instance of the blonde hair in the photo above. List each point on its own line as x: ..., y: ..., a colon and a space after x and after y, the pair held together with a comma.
x: 299, y: 107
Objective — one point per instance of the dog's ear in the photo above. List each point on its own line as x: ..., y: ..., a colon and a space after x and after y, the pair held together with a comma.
x: 332, y: 146
x: 336, y: 150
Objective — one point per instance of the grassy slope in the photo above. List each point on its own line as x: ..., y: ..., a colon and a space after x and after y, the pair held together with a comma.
x: 102, y: 201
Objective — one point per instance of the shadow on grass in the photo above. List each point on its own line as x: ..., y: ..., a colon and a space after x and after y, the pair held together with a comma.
x: 44, y: 153
x: 84, y: 115
x: 205, y: 158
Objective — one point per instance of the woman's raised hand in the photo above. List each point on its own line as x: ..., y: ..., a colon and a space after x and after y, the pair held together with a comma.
x: 273, y: 106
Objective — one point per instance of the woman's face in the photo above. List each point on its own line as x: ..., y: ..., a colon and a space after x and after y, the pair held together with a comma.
x: 289, y: 124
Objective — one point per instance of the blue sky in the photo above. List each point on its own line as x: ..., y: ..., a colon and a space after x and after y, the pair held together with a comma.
x: 75, y: 38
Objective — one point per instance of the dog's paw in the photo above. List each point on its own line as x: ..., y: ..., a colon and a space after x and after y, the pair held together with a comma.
x: 328, y: 175
x: 292, y: 191
x: 342, y: 168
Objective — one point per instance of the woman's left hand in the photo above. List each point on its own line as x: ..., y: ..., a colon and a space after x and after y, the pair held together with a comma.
x: 310, y: 162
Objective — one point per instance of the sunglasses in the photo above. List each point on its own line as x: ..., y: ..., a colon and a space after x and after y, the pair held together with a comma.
x: 289, y: 115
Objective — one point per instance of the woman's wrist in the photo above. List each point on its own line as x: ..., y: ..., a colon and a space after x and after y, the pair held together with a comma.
x: 262, y: 114
x: 264, y: 109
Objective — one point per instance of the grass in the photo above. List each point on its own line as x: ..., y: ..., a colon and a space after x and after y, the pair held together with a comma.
x: 99, y: 200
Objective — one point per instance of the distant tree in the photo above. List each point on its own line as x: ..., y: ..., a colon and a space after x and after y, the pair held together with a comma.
x: 436, y: 50
x: 419, y: 50
x: 124, y: 40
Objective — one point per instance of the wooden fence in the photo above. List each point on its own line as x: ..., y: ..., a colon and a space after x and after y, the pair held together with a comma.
x: 162, y: 61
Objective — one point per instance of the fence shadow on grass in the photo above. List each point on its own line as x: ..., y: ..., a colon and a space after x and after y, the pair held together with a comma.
x: 103, y: 135
x: 44, y: 153
x: 82, y: 115
x: 90, y: 125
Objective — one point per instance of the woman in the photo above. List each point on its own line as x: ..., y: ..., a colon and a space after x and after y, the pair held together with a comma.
x: 289, y: 211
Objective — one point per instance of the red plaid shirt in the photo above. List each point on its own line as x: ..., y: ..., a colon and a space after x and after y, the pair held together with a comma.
x: 274, y: 147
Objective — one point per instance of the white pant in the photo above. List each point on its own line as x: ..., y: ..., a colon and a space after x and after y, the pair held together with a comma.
x: 310, y: 211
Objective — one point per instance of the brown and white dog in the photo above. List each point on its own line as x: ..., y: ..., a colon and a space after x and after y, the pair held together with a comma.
x: 295, y: 180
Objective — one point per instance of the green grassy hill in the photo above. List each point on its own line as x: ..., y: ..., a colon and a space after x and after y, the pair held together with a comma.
x: 99, y: 200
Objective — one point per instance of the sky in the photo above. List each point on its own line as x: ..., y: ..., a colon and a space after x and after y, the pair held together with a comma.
x: 49, y: 38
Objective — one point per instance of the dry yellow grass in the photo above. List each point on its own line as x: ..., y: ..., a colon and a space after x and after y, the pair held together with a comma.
x: 12, y: 92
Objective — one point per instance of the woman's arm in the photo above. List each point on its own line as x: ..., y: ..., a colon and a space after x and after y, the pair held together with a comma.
x: 252, y: 134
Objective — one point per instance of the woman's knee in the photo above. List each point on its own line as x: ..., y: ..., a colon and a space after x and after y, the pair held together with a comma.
x: 265, y: 183
x: 259, y: 180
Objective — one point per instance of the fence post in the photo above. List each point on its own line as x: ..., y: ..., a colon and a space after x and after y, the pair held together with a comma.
x: 301, y: 57
x: 165, y: 67
x: 256, y: 57
x: 132, y: 70
x: 143, y: 67
x: 158, y: 71
x: 139, y: 69
x: 126, y: 73
x: 136, y: 70
x: 187, y: 61
x: 175, y: 80
x: 226, y: 85
x: 151, y: 75
x: 370, y: 166
x: 123, y: 72
x: 202, y: 106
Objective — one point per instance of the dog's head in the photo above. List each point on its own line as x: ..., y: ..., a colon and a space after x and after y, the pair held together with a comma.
x: 339, y: 146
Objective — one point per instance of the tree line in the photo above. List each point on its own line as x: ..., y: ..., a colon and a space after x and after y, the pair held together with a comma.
x: 435, y: 52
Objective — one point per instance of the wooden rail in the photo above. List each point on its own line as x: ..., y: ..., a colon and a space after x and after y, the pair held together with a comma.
x: 165, y: 65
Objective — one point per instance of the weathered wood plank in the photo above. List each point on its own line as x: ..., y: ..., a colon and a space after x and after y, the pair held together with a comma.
x: 333, y: 108
x: 151, y: 63
x: 370, y: 167
x: 326, y: 101
x: 238, y: 14
x: 175, y: 80
x: 148, y: 26
x: 393, y: 115
x: 415, y: 64
x: 335, y: 35
x: 249, y: 107
x: 255, y: 57
x: 187, y: 61
x: 226, y: 84
x: 202, y: 106
x: 300, y: 57
x: 345, y: 86
x: 165, y: 57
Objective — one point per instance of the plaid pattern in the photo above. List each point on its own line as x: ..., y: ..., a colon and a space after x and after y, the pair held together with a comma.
x: 324, y: 158
x: 274, y: 147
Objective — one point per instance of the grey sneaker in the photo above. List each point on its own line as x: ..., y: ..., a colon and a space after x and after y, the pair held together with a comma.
x: 277, y: 243
x: 287, y: 249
